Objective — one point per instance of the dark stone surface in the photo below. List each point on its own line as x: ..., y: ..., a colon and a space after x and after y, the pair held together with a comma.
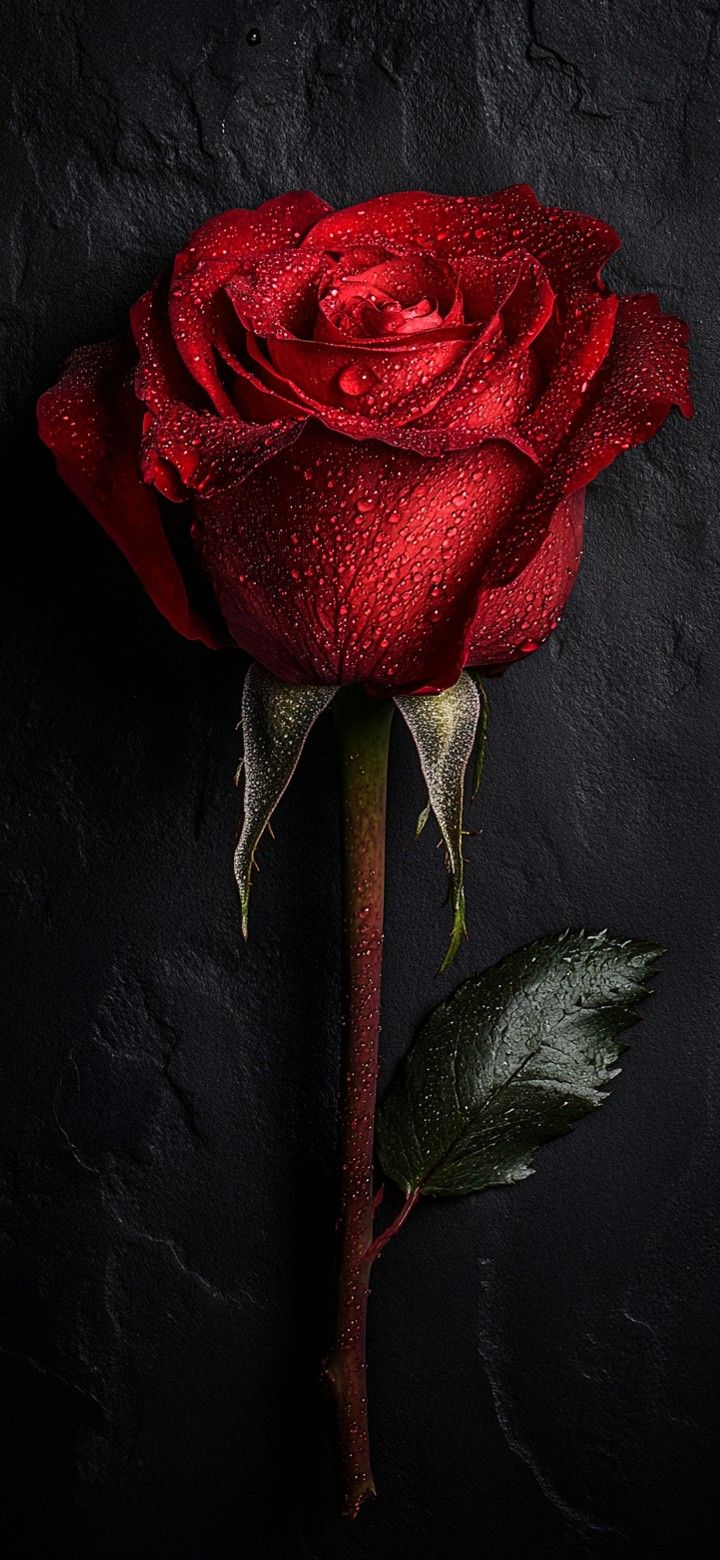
x: 544, y: 1361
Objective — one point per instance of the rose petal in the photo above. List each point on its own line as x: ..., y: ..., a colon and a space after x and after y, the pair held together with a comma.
x: 511, y: 620
x: 570, y: 246
x: 198, y: 306
x: 515, y: 289
x: 277, y: 296
x: 585, y: 331
x: 494, y: 397
x: 398, y: 377
x: 352, y: 262
x: 397, y: 393
x: 450, y: 225
x: 387, y: 298
x: 284, y: 295
x: 207, y: 453
x: 240, y: 234
x: 202, y: 321
x: 161, y: 375
x: 354, y: 563
x: 91, y: 421
x: 479, y: 397
x: 645, y: 373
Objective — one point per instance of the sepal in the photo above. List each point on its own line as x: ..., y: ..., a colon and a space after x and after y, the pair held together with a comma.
x: 443, y: 727
x: 276, y: 720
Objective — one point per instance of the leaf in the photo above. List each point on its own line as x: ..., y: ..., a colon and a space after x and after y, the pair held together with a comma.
x: 443, y: 728
x: 514, y: 1058
x: 276, y: 719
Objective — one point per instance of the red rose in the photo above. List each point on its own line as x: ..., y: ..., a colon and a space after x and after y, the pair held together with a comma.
x: 380, y: 423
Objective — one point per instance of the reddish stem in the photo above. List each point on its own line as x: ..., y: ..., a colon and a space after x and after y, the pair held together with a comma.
x: 364, y: 730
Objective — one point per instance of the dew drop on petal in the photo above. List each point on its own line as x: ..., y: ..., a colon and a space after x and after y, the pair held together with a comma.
x: 355, y: 380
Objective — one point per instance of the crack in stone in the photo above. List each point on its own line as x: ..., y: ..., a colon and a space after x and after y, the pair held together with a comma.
x: 21, y: 1357
x: 581, y: 1521
x: 160, y: 1060
x: 223, y: 1296
x: 538, y: 50
x: 639, y: 1321
x: 74, y: 1150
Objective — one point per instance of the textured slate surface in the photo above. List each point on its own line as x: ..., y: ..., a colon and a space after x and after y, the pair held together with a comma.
x: 544, y: 1361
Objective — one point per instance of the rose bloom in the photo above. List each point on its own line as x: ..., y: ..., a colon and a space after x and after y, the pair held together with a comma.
x: 369, y: 431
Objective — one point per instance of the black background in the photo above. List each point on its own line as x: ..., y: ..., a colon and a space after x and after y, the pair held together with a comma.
x: 544, y: 1361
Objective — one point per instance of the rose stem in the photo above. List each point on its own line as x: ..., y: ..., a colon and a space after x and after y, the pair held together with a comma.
x: 363, y: 726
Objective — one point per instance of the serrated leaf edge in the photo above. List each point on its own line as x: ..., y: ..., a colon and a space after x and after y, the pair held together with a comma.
x: 646, y: 953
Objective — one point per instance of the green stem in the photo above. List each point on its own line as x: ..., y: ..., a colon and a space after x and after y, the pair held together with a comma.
x: 363, y: 726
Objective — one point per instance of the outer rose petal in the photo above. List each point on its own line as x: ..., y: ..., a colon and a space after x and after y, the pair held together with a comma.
x: 161, y: 375
x: 511, y: 620
x: 282, y: 220
x: 92, y: 422
x: 343, y: 562
x: 186, y: 452
x: 645, y: 373
x: 571, y: 246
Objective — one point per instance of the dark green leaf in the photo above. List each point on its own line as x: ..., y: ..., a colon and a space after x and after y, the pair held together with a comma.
x: 511, y: 1060
x: 443, y: 728
x: 276, y: 719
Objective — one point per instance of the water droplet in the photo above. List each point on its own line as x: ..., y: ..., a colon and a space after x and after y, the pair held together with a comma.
x: 355, y: 380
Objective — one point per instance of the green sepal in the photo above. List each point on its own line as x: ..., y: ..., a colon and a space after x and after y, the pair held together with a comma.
x: 511, y: 1060
x: 443, y: 727
x: 480, y: 736
x: 276, y: 720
